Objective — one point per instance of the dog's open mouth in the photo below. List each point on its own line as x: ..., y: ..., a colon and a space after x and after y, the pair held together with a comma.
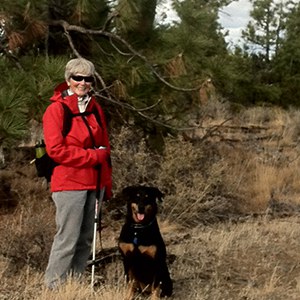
x: 140, y: 217
x: 139, y: 214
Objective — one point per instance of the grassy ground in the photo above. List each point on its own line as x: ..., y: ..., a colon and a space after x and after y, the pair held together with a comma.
x: 230, y: 216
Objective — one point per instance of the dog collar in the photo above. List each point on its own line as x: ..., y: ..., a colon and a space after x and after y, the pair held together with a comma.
x: 138, y: 227
x: 141, y: 226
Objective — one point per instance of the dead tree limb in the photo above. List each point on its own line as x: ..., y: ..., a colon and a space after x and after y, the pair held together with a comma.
x: 67, y: 28
x: 133, y: 53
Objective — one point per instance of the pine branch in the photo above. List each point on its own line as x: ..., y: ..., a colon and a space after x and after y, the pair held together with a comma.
x: 144, y: 116
x: 67, y: 28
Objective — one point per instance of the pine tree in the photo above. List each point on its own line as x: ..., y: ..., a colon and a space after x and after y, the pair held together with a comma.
x: 265, y: 29
x: 287, y: 63
x: 147, y: 74
x: 135, y: 21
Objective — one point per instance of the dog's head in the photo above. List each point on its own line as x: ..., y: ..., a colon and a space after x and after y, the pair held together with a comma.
x: 141, y: 203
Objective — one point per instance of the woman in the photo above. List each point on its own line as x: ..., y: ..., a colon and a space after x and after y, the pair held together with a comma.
x: 83, y: 157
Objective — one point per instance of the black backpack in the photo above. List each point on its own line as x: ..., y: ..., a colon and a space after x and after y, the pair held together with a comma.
x: 43, y: 162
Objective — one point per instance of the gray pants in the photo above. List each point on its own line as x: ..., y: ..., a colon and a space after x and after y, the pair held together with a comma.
x: 75, y: 211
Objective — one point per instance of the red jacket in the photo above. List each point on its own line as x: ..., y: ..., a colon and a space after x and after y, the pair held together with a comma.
x: 78, y: 161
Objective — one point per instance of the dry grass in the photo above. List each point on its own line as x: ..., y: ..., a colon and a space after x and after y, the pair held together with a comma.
x: 230, y: 216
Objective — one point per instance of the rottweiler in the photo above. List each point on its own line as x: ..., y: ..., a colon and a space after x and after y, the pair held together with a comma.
x: 141, y: 244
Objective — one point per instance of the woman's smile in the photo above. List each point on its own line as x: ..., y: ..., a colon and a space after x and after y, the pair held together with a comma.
x: 82, y: 87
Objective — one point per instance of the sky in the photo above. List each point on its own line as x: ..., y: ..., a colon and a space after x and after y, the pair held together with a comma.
x: 233, y: 18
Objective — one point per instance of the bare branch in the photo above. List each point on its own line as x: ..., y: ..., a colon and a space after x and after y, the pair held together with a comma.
x: 72, y: 44
x: 96, y: 73
x: 167, y: 125
x: 118, y: 50
x: 105, y: 88
x: 110, y: 18
x: 140, y: 112
x: 128, y: 106
x: 133, y: 53
x: 67, y: 27
x: 213, y: 129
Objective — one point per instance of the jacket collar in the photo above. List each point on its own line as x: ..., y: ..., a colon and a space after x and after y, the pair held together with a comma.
x: 61, y: 94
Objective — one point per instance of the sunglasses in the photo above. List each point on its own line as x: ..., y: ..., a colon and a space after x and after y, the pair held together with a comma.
x: 79, y: 78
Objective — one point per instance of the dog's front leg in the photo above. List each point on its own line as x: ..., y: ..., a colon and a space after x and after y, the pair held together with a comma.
x: 166, y: 281
x: 130, y: 290
x: 127, y: 250
x: 155, y: 291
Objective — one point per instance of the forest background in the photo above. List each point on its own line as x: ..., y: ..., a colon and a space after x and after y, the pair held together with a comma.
x: 147, y: 73
x: 216, y: 128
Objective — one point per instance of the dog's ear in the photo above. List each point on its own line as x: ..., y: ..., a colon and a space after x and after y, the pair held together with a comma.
x: 157, y: 193
x: 128, y: 191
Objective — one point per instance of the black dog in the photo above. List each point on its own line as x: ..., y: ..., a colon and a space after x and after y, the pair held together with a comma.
x: 142, y: 246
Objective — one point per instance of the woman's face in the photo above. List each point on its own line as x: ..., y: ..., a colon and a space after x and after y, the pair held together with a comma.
x: 80, y: 84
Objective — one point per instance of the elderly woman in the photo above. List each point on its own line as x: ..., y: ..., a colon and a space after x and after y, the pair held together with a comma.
x: 83, y: 157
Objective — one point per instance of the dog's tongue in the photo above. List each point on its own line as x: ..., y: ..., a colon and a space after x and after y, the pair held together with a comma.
x: 140, y: 217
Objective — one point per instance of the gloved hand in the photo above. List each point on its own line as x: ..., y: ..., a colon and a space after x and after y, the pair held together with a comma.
x: 102, y: 155
x: 106, y: 178
x: 105, y: 168
x: 108, y: 193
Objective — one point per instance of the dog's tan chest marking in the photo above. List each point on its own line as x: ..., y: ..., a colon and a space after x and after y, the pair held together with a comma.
x: 145, y: 250
x: 148, y: 250
x: 126, y: 247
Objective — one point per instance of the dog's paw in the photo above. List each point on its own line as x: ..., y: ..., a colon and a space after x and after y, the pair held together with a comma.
x: 166, y: 289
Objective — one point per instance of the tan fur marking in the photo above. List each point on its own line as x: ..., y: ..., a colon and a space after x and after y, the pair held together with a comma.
x: 155, y: 293
x: 126, y: 247
x: 134, y: 210
x: 148, y: 250
x: 149, y: 209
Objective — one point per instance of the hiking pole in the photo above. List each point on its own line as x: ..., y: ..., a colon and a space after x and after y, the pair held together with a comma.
x: 98, y: 204
x: 99, y: 198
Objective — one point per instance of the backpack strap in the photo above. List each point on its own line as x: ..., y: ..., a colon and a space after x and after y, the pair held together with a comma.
x: 89, y: 130
x: 68, y: 116
x: 98, y: 117
x: 67, y: 119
